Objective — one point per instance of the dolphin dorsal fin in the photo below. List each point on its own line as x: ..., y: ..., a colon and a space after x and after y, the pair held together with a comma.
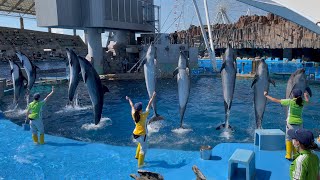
x: 176, y: 71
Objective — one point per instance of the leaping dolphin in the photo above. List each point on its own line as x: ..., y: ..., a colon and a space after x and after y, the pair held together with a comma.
x: 183, y: 80
x: 17, y: 80
x: 75, y: 70
x: 260, y: 84
x: 297, y: 80
x: 150, y: 78
x: 228, y: 76
x: 29, y: 68
x: 95, y: 88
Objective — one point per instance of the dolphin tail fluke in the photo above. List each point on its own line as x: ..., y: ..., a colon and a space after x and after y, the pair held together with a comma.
x: 223, y: 126
x: 155, y: 117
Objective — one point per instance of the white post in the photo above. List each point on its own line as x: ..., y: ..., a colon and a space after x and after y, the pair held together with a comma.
x: 212, y: 53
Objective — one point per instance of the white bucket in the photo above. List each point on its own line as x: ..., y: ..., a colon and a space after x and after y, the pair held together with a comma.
x: 205, y: 152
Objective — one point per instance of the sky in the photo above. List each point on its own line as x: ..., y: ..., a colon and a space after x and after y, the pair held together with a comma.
x: 175, y: 15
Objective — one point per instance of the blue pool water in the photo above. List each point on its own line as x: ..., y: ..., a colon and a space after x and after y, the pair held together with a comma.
x: 204, y: 113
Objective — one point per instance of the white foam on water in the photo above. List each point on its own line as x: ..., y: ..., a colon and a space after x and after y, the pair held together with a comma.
x: 181, y: 130
x: 70, y: 108
x: 226, y: 133
x: 154, y: 127
x: 15, y: 112
x: 102, y: 124
x: 21, y: 160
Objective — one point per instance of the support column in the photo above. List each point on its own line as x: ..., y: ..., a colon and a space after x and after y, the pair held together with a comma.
x: 95, y: 51
x: 21, y: 23
x: 49, y: 30
x: 85, y: 37
x: 74, y: 32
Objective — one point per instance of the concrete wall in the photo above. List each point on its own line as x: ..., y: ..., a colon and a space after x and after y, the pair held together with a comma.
x: 134, y: 15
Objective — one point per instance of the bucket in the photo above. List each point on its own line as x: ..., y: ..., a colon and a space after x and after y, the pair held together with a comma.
x: 26, y: 126
x: 205, y: 152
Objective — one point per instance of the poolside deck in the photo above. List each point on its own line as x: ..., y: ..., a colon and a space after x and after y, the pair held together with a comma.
x: 62, y: 158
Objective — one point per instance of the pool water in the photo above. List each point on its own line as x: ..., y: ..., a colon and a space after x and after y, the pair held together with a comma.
x: 205, y: 111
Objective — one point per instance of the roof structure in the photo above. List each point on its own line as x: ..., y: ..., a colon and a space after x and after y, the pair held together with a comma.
x: 20, y: 7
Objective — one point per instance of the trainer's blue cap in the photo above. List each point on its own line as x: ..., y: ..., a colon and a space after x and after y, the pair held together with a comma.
x: 138, y: 106
x: 304, y: 136
x: 297, y: 93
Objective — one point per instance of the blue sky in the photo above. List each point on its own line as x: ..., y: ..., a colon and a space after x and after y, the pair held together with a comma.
x: 175, y: 15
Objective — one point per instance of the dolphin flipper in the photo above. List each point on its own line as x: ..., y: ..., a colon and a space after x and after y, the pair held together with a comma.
x: 309, y: 91
x: 223, y: 66
x: 105, y: 89
x: 272, y: 82
x: 176, y: 71
x: 256, y: 77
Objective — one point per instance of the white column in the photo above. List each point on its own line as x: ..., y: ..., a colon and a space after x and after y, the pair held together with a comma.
x: 212, y: 53
x: 95, y: 51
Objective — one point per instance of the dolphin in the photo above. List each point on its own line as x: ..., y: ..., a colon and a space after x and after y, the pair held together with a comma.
x: 297, y: 80
x: 260, y: 84
x: 75, y: 70
x: 183, y: 80
x: 150, y: 78
x: 228, y: 76
x: 17, y: 80
x: 95, y: 88
x: 29, y: 68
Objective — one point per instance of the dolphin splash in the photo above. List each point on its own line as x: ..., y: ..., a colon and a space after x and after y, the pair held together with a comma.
x: 95, y: 88
x: 183, y: 79
x: 260, y: 84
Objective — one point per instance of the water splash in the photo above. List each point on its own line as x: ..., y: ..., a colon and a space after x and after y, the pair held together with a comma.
x: 154, y: 127
x: 71, y: 108
x: 102, y: 124
x: 226, y: 133
x: 12, y: 113
x: 181, y: 130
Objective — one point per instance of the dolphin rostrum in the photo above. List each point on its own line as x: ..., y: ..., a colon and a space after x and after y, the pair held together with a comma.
x: 150, y: 78
x: 75, y: 70
x: 183, y: 80
x: 228, y: 76
x: 17, y: 80
x: 29, y: 68
x: 95, y: 88
x: 297, y: 80
x: 260, y: 84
